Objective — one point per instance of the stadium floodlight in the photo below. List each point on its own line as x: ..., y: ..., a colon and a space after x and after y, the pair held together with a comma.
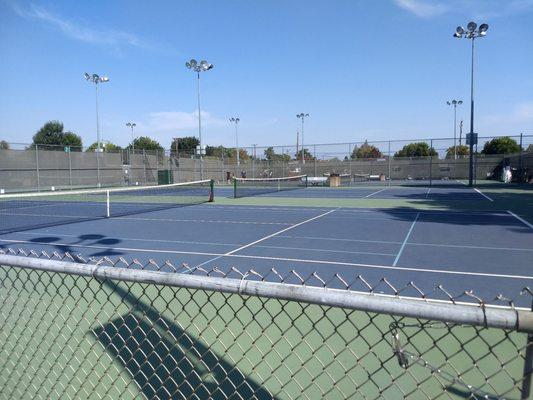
x: 236, y: 120
x: 193, y: 65
x: 132, y: 125
x: 472, y: 33
x: 302, y: 116
x: 454, y: 103
x: 96, y: 79
x: 471, y: 26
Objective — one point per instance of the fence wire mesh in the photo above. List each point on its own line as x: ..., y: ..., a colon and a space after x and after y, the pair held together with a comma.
x: 75, y: 328
x: 43, y: 167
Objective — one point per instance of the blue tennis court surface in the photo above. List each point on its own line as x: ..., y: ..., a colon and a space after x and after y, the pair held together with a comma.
x: 487, y: 252
x: 415, y: 192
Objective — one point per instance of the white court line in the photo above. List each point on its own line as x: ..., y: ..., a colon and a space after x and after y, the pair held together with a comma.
x: 202, y: 243
x: 427, y: 193
x: 461, y: 182
x: 483, y: 194
x: 464, y: 246
x: 520, y: 219
x: 373, y: 193
x: 267, y: 237
x: 294, y: 260
x: 405, y: 240
x: 84, y: 218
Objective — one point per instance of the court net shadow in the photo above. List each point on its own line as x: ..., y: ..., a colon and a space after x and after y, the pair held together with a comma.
x: 165, y: 361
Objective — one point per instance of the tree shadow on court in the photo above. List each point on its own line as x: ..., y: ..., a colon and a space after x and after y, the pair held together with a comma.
x: 165, y: 361
x: 56, y: 243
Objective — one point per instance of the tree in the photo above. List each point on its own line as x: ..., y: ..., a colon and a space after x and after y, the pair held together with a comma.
x: 418, y: 149
x: 185, y: 144
x: 366, y: 151
x: 4, y: 145
x: 107, y: 146
x: 460, y: 151
x: 307, y: 156
x: 145, y: 143
x: 243, y: 154
x: 271, y: 155
x: 51, y: 136
x: 217, y: 151
x: 501, y: 145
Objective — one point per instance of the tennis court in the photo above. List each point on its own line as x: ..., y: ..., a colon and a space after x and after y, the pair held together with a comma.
x: 470, y: 244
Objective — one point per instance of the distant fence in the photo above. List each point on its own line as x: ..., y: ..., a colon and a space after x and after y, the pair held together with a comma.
x: 72, y: 328
x: 30, y: 168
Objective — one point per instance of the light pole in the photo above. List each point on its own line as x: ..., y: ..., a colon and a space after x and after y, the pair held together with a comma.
x: 132, y: 125
x: 302, y: 116
x: 202, y: 67
x: 454, y: 103
x: 461, y: 133
x: 472, y: 32
x: 96, y: 79
x: 236, y: 121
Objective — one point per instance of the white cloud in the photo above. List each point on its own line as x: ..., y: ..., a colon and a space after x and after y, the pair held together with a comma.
x: 422, y: 8
x: 518, y: 119
x: 480, y: 9
x: 110, y: 38
x: 173, y: 121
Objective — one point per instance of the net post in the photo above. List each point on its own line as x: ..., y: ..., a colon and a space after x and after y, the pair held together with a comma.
x: 108, y: 214
x: 306, y: 181
x: 211, y: 190
x: 234, y: 188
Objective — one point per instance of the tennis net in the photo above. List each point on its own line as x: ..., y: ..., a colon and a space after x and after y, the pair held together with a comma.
x: 36, y: 210
x: 245, y: 187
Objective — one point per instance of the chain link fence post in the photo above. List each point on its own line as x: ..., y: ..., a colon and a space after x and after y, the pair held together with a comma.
x: 144, y: 165
x: 69, y: 170
x: 389, y: 165
x: 37, y: 167
x: 430, y: 162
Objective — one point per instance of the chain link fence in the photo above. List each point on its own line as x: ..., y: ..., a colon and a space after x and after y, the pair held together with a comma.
x: 31, y: 168
x: 75, y: 328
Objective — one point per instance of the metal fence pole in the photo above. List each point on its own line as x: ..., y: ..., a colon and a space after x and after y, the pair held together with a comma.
x: 520, y: 159
x: 430, y: 162
x: 389, y: 161
x: 37, y: 167
x: 314, y: 156
x: 350, y: 159
x: 528, y: 364
x: 144, y: 165
x: 69, y: 170
x: 98, y: 168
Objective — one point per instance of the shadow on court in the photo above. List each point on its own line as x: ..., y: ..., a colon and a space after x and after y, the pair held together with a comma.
x: 166, y: 361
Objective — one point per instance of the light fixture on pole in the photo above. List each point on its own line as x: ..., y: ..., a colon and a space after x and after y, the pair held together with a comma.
x: 199, y: 67
x: 132, y: 125
x: 236, y: 121
x: 454, y: 103
x: 96, y: 79
x: 302, y: 116
x: 472, y: 32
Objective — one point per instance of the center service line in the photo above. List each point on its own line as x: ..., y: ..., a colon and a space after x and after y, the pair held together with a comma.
x: 267, y: 237
x: 405, y: 240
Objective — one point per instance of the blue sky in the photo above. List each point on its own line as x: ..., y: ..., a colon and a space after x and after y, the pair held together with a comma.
x: 375, y: 70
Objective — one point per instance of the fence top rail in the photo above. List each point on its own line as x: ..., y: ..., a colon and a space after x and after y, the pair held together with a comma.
x: 454, y: 313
